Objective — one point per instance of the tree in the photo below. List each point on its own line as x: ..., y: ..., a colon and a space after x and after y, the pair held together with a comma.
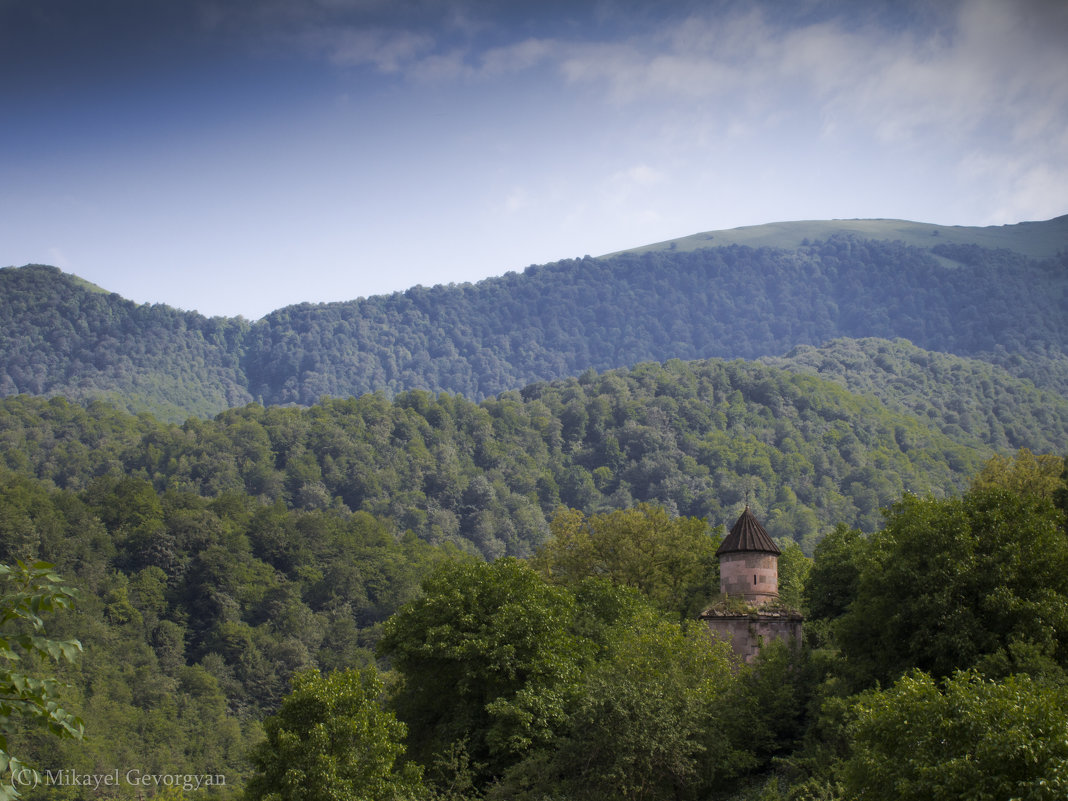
x: 671, y: 560
x: 794, y: 570
x: 487, y: 656
x: 950, y: 582
x: 30, y: 591
x: 1026, y: 473
x: 968, y: 738
x: 332, y: 741
x: 653, y: 721
x: 832, y: 582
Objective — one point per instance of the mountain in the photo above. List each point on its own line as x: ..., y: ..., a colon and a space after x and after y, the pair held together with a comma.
x: 1036, y: 240
x: 61, y: 335
x: 216, y: 557
x: 693, y: 437
x: 956, y: 395
x: 991, y: 293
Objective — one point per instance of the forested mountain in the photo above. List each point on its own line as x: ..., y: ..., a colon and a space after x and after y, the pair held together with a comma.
x: 60, y: 336
x: 217, y: 559
x: 691, y: 436
x: 955, y: 395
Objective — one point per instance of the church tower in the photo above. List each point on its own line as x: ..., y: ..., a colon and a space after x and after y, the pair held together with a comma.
x: 748, y: 612
x: 749, y: 562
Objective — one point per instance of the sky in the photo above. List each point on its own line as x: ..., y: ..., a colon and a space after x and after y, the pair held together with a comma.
x: 234, y: 157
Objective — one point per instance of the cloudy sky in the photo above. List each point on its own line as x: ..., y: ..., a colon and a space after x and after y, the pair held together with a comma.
x: 236, y: 156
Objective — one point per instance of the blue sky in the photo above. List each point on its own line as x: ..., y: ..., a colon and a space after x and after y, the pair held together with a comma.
x: 233, y: 156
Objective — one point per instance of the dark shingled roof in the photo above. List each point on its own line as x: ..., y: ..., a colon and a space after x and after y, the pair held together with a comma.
x: 748, y: 535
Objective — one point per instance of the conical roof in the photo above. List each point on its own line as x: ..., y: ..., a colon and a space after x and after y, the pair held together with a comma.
x: 748, y: 535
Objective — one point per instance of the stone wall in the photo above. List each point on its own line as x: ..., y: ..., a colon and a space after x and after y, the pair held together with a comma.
x: 747, y: 633
x: 750, y: 575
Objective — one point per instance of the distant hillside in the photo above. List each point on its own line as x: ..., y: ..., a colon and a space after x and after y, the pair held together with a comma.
x: 958, y: 296
x: 691, y: 436
x: 1037, y: 240
x: 956, y: 395
x: 61, y: 335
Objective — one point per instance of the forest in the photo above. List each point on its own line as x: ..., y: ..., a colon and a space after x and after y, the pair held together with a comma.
x: 453, y: 543
x: 60, y: 336
x: 693, y: 437
x: 539, y: 559
x: 292, y: 653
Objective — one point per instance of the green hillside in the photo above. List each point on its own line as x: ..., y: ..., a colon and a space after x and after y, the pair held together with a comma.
x: 1037, y: 240
x: 61, y: 335
x: 958, y: 396
x: 784, y: 287
x: 694, y: 437
x: 217, y: 559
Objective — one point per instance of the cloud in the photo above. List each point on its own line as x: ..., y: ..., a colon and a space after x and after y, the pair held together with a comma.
x: 388, y: 51
x: 984, y: 59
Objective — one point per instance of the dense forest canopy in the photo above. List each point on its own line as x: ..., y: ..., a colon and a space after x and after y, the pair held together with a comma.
x: 450, y: 544
x: 695, y: 437
x: 579, y: 672
x: 59, y: 335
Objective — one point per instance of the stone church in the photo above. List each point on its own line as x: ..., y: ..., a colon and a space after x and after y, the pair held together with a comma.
x: 748, y: 612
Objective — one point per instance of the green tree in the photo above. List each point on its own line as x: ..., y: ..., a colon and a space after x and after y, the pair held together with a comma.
x: 831, y: 585
x: 671, y: 560
x: 950, y: 582
x: 653, y: 720
x: 29, y: 592
x: 794, y: 570
x: 487, y: 655
x: 969, y: 738
x: 332, y: 741
x: 1026, y: 473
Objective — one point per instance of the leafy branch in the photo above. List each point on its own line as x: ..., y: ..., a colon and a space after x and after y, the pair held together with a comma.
x: 31, y: 592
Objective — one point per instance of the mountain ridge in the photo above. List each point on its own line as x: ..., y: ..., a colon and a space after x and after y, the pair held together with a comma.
x: 60, y: 336
x: 1037, y: 239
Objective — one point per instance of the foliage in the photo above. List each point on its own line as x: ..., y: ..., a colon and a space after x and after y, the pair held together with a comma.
x: 550, y: 321
x: 794, y: 570
x: 1024, y: 474
x: 487, y: 658
x: 672, y: 561
x: 195, y: 613
x: 953, y: 581
x: 770, y: 701
x: 836, y: 566
x: 60, y: 336
x: 968, y: 738
x: 1001, y: 405
x: 29, y: 593
x: 693, y: 438
x: 651, y: 721
x: 332, y: 740
x: 217, y: 559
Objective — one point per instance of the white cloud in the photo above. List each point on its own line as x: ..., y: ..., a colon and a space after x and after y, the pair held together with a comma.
x: 988, y: 59
x: 388, y: 51
x: 518, y: 57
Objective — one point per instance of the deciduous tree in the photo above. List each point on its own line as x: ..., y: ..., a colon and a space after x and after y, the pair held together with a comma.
x: 487, y: 655
x: 968, y: 738
x: 29, y: 593
x: 332, y: 741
